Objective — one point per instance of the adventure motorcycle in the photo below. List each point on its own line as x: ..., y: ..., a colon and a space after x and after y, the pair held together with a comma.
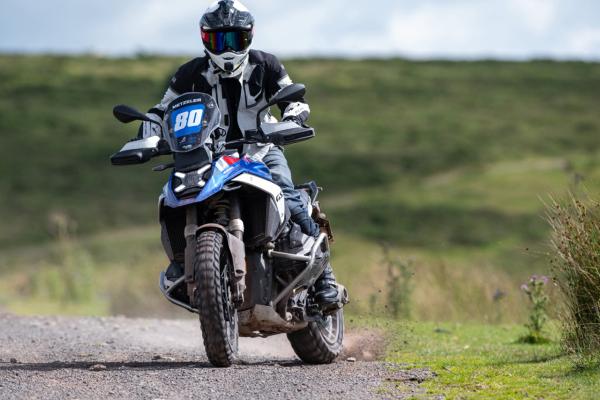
x: 247, y: 269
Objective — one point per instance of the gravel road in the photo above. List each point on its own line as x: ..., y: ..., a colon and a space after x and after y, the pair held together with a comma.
x: 106, y: 358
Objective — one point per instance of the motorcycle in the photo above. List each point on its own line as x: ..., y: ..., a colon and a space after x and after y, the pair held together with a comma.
x: 248, y: 270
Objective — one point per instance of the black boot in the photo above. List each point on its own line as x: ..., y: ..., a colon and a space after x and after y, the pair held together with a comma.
x: 326, y: 291
x: 174, y: 272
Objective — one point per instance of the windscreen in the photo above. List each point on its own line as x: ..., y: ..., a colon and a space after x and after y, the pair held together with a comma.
x: 190, y: 120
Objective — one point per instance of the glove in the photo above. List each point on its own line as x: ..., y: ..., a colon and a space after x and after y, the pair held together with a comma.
x: 294, y: 119
x: 148, y: 129
x: 218, y: 141
x: 297, y: 112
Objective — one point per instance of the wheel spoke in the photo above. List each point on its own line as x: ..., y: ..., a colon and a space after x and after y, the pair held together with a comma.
x: 329, y: 328
x: 321, y: 341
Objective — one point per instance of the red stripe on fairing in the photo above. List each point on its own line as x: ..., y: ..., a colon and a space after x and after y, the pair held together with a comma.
x: 230, y: 160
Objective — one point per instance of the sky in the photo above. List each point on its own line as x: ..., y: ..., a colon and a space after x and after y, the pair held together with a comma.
x: 420, y: 29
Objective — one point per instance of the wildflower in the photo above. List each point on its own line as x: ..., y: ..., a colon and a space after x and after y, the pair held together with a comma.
x: 539, y: 300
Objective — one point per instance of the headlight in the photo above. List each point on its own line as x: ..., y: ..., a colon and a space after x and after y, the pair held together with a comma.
x: 187, y: 180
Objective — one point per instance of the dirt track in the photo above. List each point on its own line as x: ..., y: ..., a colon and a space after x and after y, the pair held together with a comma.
x: 104, y: 358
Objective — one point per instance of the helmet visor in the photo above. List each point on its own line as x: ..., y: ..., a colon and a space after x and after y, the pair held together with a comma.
x: 220, y: 41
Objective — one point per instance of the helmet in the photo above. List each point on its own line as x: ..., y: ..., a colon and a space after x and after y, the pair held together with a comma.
x: 227, y: 28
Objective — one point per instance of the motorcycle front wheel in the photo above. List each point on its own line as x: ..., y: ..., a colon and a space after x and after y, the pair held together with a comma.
x: 218, y: 316
x: 321, y: 341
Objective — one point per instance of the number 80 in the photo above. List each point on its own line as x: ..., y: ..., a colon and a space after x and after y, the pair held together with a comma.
x: 188, y: 119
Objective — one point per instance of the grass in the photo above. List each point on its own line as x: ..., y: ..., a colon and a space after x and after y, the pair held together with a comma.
x: 115, y: 273
x: 416, y: 141
x: 576, y: 240
x: 446, y: 161
x: 476, y: 361
x: 122, y: 269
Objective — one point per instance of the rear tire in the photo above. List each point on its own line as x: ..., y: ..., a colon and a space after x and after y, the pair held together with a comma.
x: 218, y: 316
x: 320, y: 342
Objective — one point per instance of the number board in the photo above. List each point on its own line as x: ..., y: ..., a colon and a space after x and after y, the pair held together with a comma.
x: 188, y: 120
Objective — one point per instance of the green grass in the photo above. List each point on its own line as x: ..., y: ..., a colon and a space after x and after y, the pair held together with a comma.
x: 475, y: 361
x: 446, y: 161
x: 119, y: 271
x: 393, y: 127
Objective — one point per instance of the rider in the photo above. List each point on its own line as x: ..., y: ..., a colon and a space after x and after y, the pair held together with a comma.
x: 242, y: 81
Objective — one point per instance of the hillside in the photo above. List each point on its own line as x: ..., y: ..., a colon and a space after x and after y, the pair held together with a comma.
x: 446, y: 161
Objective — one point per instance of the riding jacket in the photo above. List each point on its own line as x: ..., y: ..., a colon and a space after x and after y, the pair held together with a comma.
x: 239, y: 95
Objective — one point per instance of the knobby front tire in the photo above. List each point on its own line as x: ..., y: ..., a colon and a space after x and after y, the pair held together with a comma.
x: 218, y: 317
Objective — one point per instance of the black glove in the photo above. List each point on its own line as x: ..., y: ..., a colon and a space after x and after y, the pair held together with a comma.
x: 218, y: 140
x: 163, y: 148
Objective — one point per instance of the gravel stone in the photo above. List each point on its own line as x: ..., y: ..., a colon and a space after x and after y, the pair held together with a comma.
x: 56, y: 363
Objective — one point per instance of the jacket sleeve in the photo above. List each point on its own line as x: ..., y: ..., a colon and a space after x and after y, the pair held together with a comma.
x: 157, y: 113
x: 177, y: 86
x: 186, y: 79
x: 278, y: 78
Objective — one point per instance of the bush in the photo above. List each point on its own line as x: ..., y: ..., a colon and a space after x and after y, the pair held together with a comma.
x: 576, y: 241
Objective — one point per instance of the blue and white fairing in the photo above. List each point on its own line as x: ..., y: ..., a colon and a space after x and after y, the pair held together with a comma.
x: 230, y: 169
x: 190, y: 121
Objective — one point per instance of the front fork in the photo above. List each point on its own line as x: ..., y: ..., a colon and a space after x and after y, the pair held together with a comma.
x: 235, y: 227
x: 191, y: 230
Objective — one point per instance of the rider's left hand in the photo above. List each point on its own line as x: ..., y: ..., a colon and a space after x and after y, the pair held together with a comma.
x: 294, y: 119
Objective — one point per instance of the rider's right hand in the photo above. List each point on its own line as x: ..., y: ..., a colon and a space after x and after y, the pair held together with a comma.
x: 148, y: 129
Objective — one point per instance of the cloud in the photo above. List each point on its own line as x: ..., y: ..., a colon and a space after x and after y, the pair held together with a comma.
x: 585, y: 42
x: 423, y: 28
x: 149, y: 25
x: 538, y: 15
x: 431, y: 28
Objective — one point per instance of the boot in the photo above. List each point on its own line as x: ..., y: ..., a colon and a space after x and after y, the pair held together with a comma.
x: 326, y: 291
x: 174, y: 272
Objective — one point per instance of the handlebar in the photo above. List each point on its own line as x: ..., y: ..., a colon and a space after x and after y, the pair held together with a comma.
x: 281, y: 134
x: 235, y: 143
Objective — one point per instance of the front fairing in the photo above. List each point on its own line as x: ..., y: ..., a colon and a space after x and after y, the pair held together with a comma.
x: 222, y: 173
x: 190, y: 120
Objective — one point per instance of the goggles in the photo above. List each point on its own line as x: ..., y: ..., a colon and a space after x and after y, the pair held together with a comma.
x: 218, y: 42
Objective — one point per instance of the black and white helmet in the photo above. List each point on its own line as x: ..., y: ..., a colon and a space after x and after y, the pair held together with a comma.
x: 227, y: 28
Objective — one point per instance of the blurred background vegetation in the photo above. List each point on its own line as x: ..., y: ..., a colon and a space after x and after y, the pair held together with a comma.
x: 443, y: 162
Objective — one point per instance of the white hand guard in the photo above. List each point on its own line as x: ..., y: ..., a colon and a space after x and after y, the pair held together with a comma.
x: 151, y: 129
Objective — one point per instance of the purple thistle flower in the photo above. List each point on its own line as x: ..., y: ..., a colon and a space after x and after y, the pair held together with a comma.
x: 525, y: 288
